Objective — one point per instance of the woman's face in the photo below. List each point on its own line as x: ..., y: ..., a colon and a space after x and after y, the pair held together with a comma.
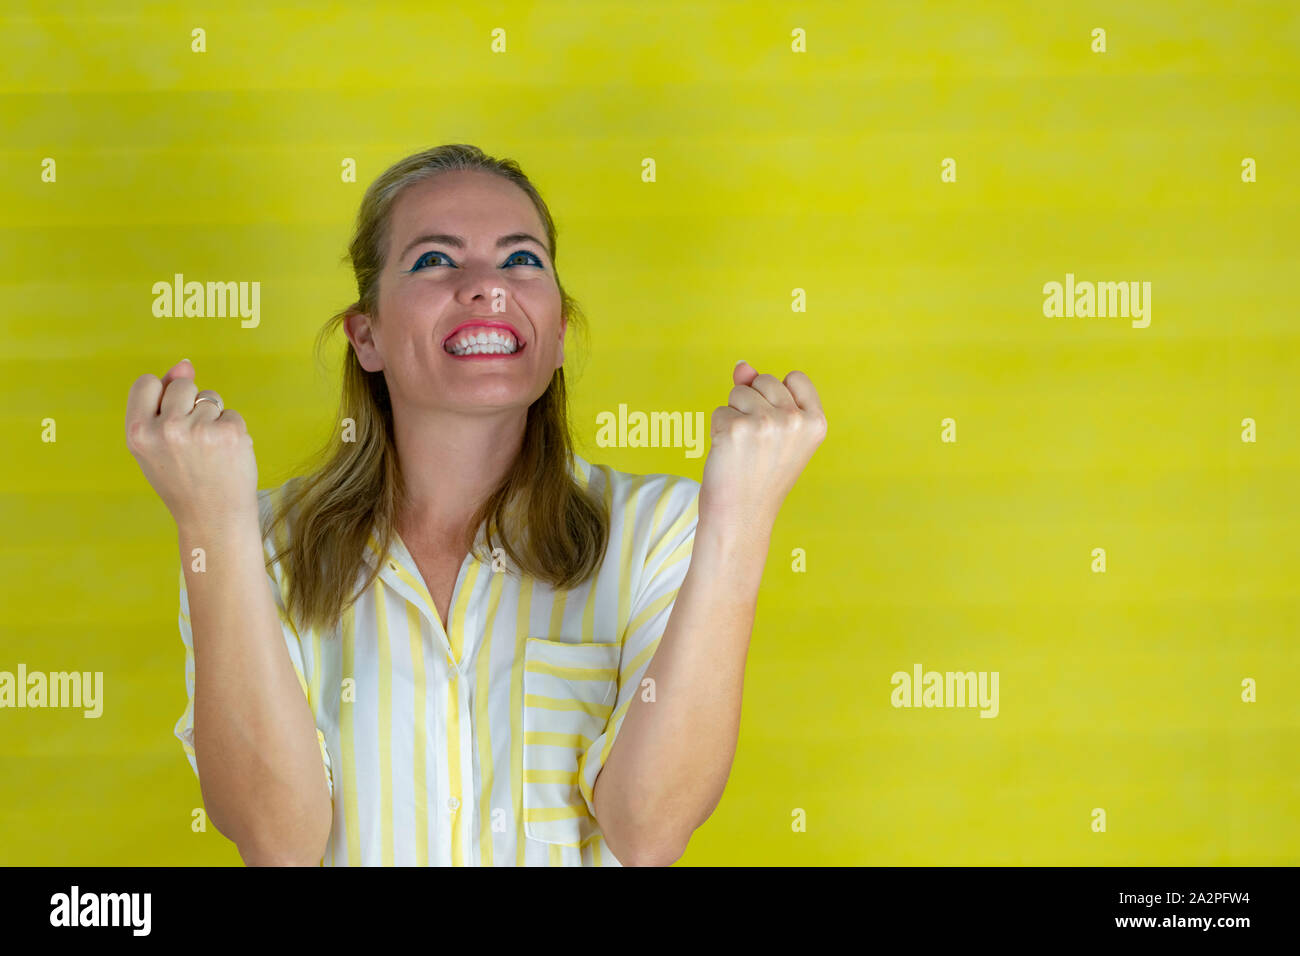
x: 434, y: 293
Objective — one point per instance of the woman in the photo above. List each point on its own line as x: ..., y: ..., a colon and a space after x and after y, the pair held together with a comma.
x: 475, y: 648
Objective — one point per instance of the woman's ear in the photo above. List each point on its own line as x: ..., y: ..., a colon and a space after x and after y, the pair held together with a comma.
x: 357, y: 326
x: 564, y: 327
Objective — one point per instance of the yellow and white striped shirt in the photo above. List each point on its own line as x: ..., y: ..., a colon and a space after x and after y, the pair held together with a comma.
x: 479, y: 745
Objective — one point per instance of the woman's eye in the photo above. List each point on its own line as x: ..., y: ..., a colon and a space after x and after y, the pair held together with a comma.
x: 420, y: 262
x: 522, y: 252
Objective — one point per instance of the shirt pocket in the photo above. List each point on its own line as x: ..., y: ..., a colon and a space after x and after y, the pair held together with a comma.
x: 569, y: 695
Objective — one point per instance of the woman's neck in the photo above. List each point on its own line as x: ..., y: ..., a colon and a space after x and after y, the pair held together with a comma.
x: 450, y: 464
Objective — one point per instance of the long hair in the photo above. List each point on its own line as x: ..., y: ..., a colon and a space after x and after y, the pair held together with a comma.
x: 548, y: 524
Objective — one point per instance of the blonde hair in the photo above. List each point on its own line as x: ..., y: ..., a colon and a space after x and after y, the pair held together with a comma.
x: 548, y: 524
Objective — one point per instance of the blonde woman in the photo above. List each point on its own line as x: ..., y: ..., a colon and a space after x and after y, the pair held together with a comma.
x: 454, y: 641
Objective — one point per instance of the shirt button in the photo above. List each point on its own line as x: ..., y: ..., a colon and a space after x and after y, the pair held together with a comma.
x: 453, y: 804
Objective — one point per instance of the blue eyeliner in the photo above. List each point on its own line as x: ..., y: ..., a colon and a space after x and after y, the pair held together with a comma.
x: 521, y: 252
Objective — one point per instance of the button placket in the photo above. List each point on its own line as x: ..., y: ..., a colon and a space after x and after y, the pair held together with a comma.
x: 393, y: 574
x: 469, y: 785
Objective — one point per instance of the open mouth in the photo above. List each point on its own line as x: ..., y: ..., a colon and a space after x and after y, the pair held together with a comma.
x: 482, y: 342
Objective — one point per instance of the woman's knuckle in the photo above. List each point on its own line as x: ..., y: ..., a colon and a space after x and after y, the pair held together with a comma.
x: 173, y: 431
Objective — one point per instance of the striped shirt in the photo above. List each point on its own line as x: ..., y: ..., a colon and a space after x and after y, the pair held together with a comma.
x: 478, y: 744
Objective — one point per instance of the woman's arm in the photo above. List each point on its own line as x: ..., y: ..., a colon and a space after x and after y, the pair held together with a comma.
x: 670, y: 761
x: 669, y: 764
x: 255, y: 746
x: 255, y: 741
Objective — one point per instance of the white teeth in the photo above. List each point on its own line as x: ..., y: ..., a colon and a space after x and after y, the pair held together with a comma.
x: 484, y: 343
x: 484, y: 350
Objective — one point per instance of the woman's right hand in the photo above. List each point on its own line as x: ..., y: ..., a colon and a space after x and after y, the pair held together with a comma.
x: 198, y: 458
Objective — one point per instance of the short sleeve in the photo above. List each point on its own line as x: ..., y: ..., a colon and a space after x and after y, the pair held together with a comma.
x: 673, y: 507
x: 184, y: 729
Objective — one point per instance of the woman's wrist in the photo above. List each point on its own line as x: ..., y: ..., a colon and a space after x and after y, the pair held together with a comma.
x: 222, y: 526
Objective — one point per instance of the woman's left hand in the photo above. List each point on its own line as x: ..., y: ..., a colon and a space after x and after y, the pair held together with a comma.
x: 760, y: 442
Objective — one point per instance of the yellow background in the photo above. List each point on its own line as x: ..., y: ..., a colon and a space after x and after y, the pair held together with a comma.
x: 775, y: 171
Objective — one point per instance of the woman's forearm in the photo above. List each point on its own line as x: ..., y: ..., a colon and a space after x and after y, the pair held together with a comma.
x: 259, y: 760
x: 670, y: 761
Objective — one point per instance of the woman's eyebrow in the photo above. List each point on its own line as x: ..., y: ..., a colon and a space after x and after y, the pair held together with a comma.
x: 459, y: 242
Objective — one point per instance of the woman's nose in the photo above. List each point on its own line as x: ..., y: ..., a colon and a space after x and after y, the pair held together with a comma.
x: 483, y: 287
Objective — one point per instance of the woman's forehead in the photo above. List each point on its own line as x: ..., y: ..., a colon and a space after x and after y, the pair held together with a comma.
x: 464, y: 215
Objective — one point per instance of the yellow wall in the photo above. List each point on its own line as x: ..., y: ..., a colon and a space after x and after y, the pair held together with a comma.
x: 775, y: 170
